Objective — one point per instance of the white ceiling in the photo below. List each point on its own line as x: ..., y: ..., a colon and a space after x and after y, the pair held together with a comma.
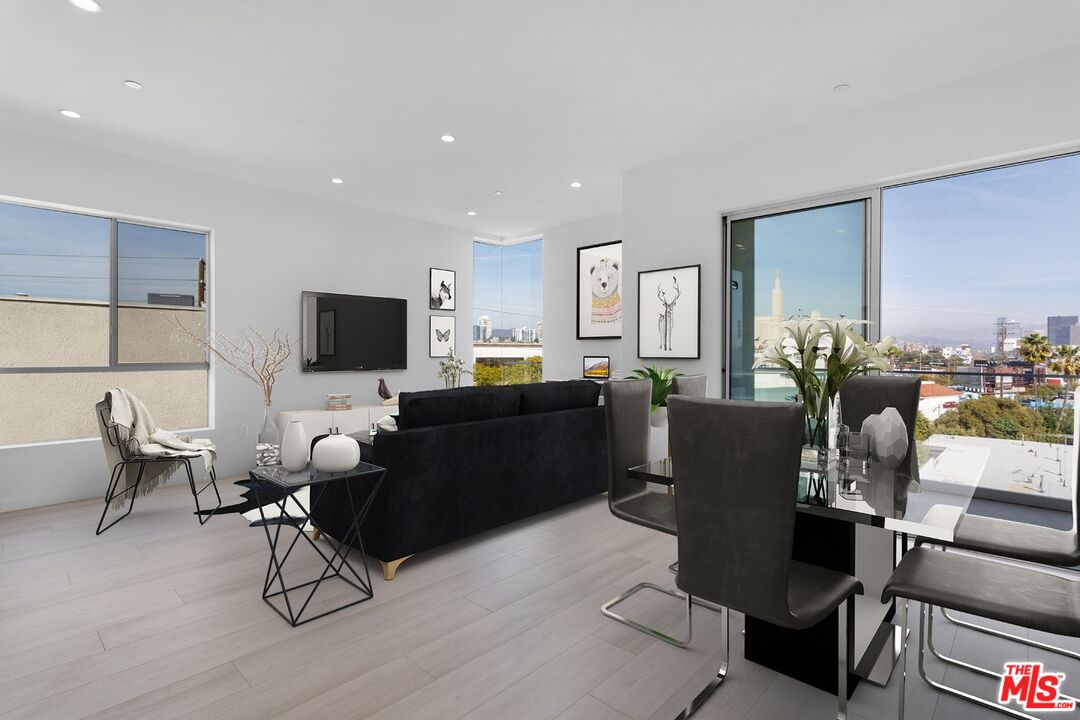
x: 290, y: 94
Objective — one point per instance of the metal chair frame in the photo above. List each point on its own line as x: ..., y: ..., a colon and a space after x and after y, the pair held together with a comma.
x: 119, y: 472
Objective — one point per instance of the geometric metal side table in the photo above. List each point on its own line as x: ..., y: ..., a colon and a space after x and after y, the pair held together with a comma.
x: 275, y: 486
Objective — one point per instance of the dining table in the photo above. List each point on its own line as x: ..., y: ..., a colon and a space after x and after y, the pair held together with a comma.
x: 858, y: 521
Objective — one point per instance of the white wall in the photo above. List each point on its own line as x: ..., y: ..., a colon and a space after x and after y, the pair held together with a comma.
x: 672, y: 213
x: 562, y: 351
x: 267, y: 247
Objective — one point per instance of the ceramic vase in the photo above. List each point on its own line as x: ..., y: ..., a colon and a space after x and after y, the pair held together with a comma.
x: 658, y: 417
x: 294, y: 447
x: 335, y: 453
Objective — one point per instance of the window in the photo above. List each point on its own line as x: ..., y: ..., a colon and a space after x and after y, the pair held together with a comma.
x: 801, y: 262
x: 979, y: 285
x: 88, y: 303
x: 508, y: 328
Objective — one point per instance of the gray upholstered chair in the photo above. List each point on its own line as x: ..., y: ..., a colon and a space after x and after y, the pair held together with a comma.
x: 626, y: 407
x: 1008, y: 593
x: 736, y: 470
x: 690, y: 385
x: 1020, y: 541
x: 865, y: 395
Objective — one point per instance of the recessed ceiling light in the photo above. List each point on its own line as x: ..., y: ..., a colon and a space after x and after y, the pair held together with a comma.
x: 71, y: 114
x: 448, y: 138
x: 842, y: 87
x: 133, y: 84
x: 88, y: 5
x: 471, y: 213
x: 336, y: 181
x: 575, y: 184
x: 497, y: 193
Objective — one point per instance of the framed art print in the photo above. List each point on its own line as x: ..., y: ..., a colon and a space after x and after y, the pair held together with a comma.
x: 669, y: 313
x: 596, y: 367
x: 443, y: 285
x: 441, y: 340
x: 599, y: 291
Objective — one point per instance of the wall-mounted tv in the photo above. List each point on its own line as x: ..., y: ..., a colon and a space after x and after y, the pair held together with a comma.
x: 352, y: 332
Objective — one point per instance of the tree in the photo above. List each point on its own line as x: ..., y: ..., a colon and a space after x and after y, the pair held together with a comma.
x: 991, y: 417
x: 1066, y: 361
x: 923, y: 427
x: 1035, y: 348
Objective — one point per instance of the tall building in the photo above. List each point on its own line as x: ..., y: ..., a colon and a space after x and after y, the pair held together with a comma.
x: 540, y: 331
x: 1007, y: 334
x: 768, y: 328
x: 1058, y: 326
x: 485, y: 328
x: 477, y: 333
x: 1074, y: 335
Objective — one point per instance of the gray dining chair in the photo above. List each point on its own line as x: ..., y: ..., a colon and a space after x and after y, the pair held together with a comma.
x: 690, y: 385
x: 736, y: 470
x: 1020, y: 541
x: 865, y: 395
x: 626, y: 407
x: 1009, y: 593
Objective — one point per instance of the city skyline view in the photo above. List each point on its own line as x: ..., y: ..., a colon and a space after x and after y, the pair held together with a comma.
x: 508, y: 284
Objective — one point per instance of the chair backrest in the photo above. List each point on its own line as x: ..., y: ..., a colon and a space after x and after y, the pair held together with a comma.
x: 626, y: 409
x: 690, y: 385
x: 865, y: 395
x: 110, y: 441
x: 736, y: 471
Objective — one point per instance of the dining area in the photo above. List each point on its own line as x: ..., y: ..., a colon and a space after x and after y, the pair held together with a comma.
x: 839, y: 561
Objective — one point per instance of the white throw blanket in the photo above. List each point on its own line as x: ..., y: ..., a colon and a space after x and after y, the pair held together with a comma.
x: 141, y: 436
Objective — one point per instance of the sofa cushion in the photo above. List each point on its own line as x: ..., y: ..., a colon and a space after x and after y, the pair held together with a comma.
x: 446, y: 407
x: 554, y: 396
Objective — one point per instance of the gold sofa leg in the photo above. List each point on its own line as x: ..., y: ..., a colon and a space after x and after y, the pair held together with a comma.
x: 389, y: 569
x: 316, y: 533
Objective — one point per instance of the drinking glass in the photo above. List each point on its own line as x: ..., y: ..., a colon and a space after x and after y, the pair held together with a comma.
x: 857, y: 451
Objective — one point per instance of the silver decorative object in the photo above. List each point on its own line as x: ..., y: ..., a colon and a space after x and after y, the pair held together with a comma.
x: 889, y: 437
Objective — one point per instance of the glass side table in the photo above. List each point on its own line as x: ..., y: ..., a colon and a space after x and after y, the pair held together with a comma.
x: 274, y: 487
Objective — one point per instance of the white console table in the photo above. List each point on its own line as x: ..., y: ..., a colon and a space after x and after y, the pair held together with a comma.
x: 321, y: 422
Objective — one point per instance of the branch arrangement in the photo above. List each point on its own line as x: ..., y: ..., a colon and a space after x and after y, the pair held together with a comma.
x: 251, y: 354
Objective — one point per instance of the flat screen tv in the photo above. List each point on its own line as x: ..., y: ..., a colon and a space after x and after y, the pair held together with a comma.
x: 352, y: 332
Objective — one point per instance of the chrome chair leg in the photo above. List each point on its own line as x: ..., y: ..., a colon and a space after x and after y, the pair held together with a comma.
x: 1009, y: 636
x: 960, y: 663
x: 902, y: 680
x: 842, y: 659
x: 725, y: 656
x: 926, y: 619
x: 606, y: 609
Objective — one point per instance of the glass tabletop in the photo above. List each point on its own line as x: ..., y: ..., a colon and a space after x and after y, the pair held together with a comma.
x: 905, y: 500
x: 281, y: 477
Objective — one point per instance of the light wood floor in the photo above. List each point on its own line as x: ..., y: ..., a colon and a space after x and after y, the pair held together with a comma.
x: 160, y: 618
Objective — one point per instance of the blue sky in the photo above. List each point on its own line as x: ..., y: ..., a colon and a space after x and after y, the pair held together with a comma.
x: 46, y: 253
x: 508, y: 283
x: 960, y: 252
x: 820, y: 257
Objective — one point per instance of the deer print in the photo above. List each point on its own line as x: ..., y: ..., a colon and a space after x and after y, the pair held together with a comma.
x: 666, y: 321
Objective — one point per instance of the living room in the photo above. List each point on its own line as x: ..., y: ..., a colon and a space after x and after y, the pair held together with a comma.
x: 326, y: 256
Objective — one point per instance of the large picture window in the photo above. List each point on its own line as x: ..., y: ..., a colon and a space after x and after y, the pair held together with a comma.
x: 89, y: 302
x: 508, y: 329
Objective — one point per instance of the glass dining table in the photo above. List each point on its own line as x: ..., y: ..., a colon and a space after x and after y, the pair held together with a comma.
x: 850, y: 520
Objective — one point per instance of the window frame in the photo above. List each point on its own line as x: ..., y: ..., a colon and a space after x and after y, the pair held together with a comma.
x: 114, y: 283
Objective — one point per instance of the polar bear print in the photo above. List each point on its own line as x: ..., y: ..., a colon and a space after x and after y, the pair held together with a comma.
x: 606, y: 292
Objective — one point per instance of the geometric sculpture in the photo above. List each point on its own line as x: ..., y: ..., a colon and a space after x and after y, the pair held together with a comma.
x: 888, y: 437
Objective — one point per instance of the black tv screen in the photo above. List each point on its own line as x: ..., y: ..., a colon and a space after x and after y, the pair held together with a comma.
x: 352, y: 332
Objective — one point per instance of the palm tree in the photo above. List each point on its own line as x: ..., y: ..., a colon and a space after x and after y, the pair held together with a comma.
x: 1066, y: 361
x: 1036, y: 349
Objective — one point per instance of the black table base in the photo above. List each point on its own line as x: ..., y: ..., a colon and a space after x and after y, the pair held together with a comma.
x: 293, y: 601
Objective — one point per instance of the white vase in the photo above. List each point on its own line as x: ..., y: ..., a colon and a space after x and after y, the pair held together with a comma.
x: 658, y: 417
x: 294, y: 447
x: 335, y: 453
x: 888, y: 437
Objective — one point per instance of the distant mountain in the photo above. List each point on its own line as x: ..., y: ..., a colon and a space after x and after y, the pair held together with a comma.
x: 977, y: 338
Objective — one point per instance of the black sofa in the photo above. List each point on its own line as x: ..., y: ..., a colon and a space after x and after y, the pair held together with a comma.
x: 471, y: 459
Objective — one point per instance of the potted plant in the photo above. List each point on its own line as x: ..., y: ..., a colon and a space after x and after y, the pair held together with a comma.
x: 819, y: 355
x: 451, y: 369
x: 661, y: 388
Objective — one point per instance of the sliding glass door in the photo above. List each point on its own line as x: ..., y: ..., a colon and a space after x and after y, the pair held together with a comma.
x: 808, y: 261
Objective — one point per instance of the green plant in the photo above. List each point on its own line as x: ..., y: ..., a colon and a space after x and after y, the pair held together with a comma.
x: 451, y: 369
x: 819, y: 355
x: 661, y: 383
